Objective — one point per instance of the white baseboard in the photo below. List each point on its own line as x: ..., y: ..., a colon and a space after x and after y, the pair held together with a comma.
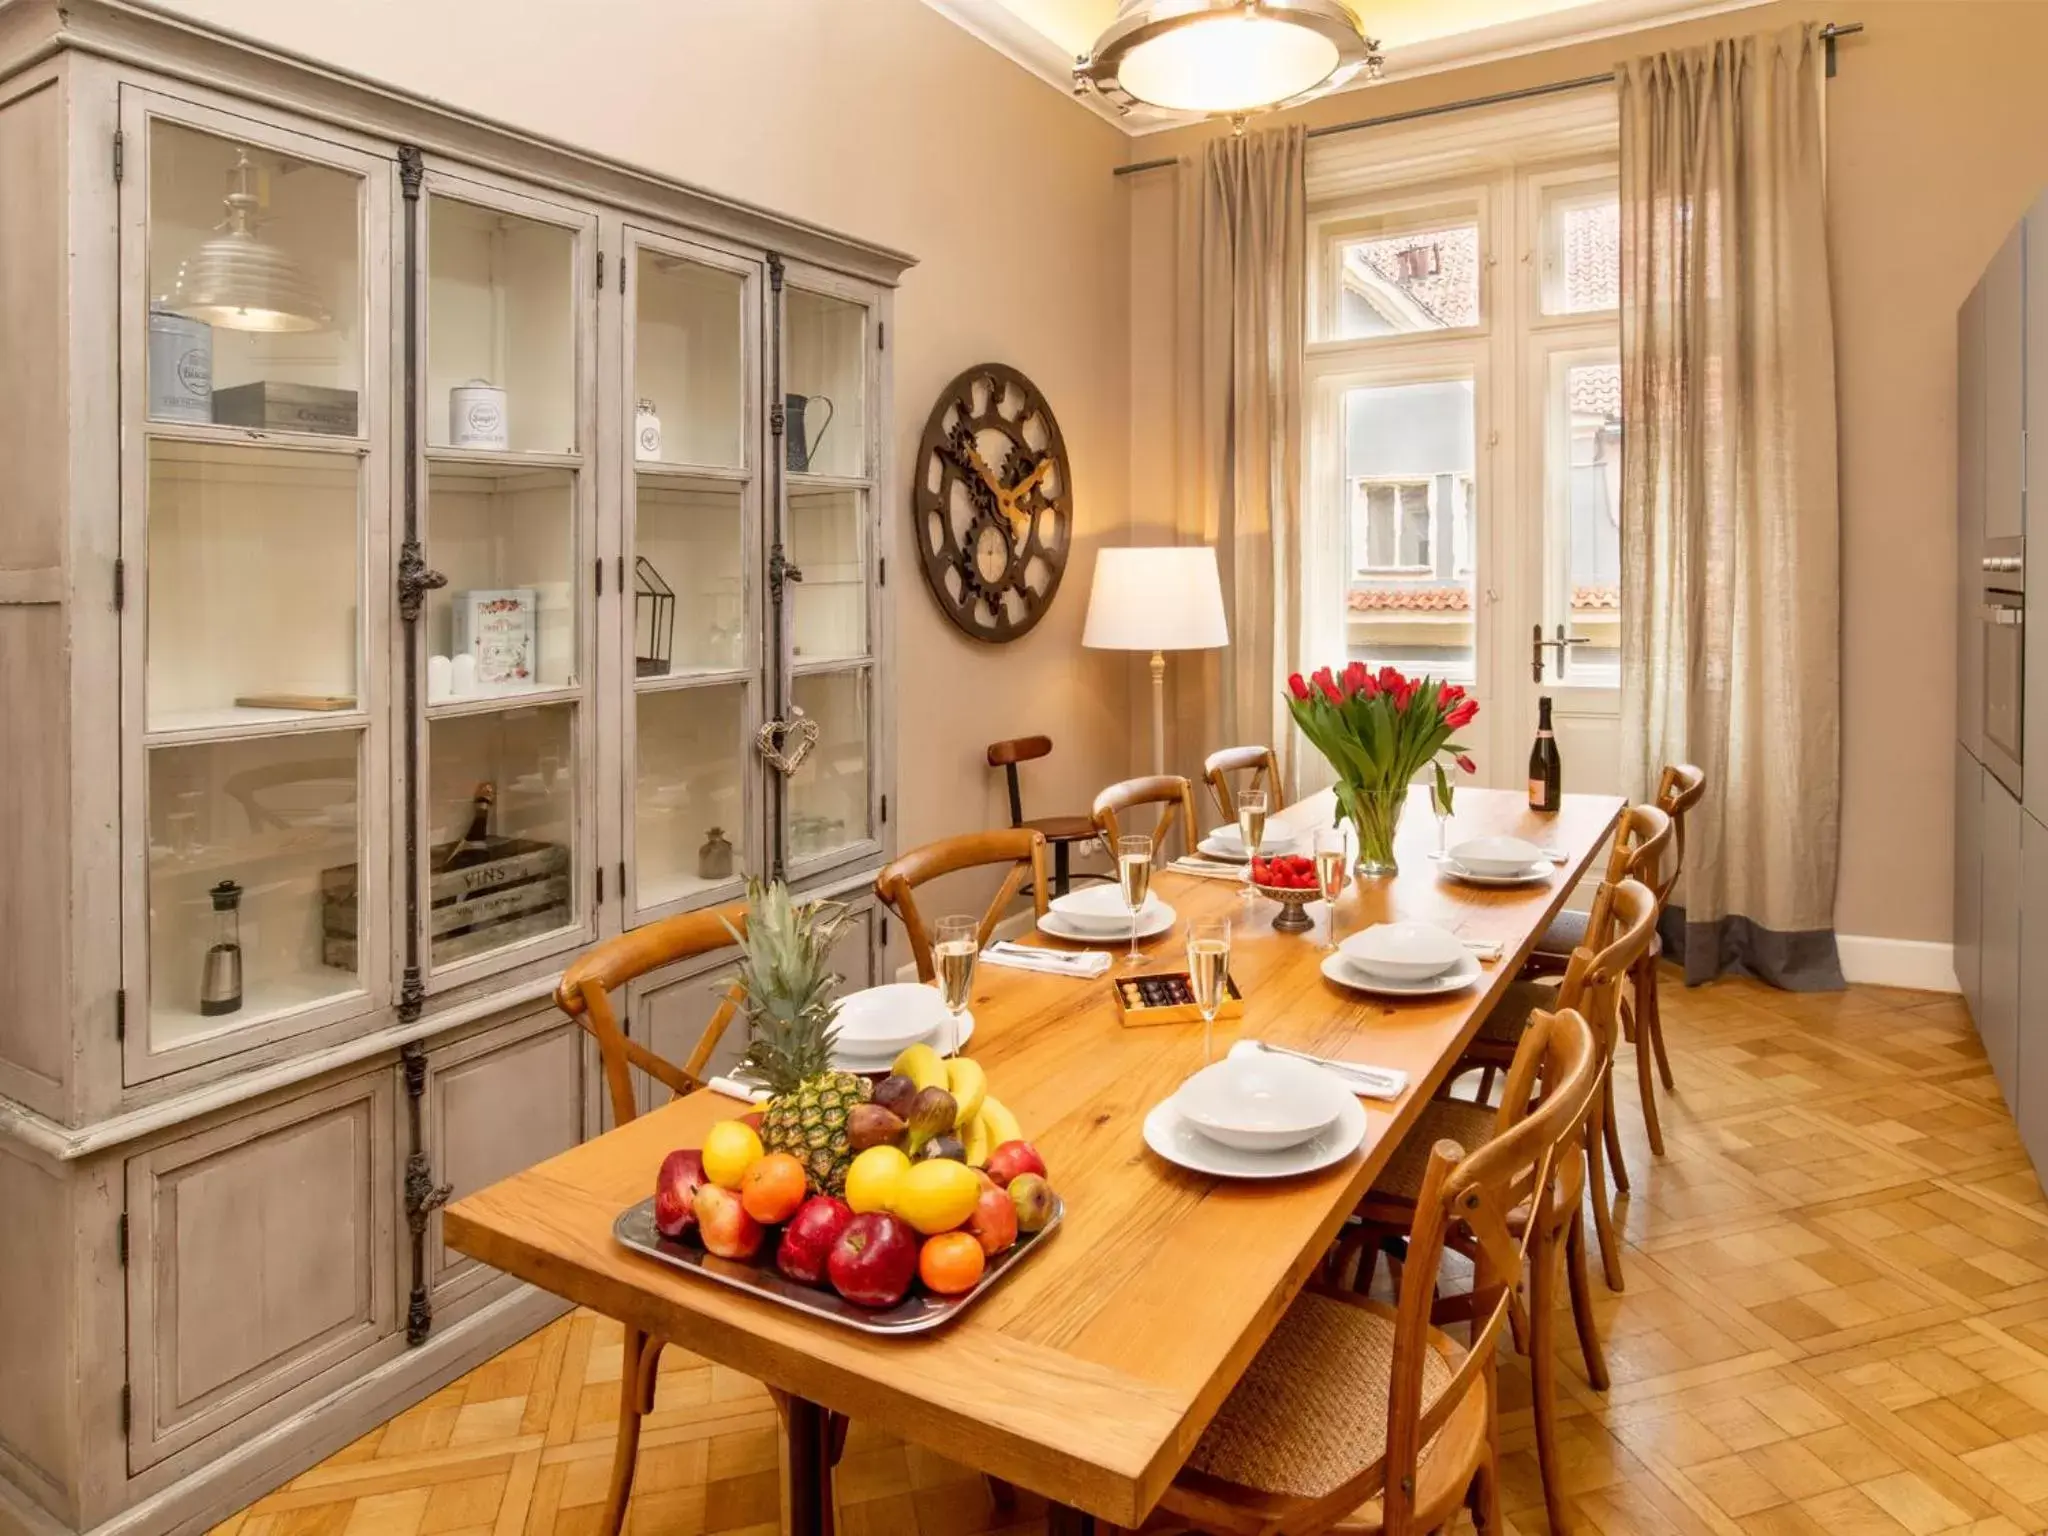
x: 1915, y: 963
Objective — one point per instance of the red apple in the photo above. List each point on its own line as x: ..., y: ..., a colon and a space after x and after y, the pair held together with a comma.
x: 994, y: 1222
x: 675, y: 1191
x: 807, y: 1240
x: 874, y: 1260
x: 724, y: 1224
x: 752, y: 1118
x: 1013, y: 1158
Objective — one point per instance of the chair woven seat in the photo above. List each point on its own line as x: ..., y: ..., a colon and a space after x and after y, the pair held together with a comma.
x: 1567, y: 931
x: 1470, y: 1125
x: 1311, y: 1410
x: 1510, y: 1015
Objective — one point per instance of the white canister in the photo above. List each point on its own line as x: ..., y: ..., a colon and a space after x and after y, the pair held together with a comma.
x: 476, y: 416
x: 646, y: 431
x: 461, y: 675
x: 440, y: 678
x: 180, y: 367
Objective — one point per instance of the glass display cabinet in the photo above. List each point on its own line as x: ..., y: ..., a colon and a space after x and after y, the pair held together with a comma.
x: 428, y: 551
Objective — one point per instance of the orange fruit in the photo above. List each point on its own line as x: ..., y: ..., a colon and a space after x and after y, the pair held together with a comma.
x: 772, y: 1188
x: 951, y: 1263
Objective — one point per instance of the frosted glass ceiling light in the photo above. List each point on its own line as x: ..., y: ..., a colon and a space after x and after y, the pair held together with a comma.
x: 1230, y: 57
x: 241, y: 281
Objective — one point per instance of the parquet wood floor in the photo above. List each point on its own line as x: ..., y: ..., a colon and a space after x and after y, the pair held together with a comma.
x: 1836, y: 1321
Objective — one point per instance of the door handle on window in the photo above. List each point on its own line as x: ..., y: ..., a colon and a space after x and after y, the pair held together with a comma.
x: 1537, y: 643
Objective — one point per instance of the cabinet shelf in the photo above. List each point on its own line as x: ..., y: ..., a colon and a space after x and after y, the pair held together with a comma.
x: 508, y: 460
x: 708, y: 677
x: 805, y: 481
x: 235, y: 722
x: 262, y: 1002
x: 504, y: 699
x: 202, y: 435
x: 661, y: 469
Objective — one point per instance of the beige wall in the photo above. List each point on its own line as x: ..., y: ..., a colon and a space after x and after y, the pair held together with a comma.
x: 883, y: 120
x: 1938, y: 142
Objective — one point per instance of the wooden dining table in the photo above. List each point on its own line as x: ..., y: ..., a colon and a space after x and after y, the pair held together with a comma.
x: 1090, y: 1372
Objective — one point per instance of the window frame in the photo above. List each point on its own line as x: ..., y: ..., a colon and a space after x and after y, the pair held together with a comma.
x: 1364, y: 568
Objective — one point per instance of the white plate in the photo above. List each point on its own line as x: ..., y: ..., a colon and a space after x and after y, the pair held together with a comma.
x: 1099, y: 910
x: 872, y: 1061
x: 1176, y: 1140
x: 1338, y: 968
x: 1278, y: 837
x: 1261, y: 1102
x: 883, y: 1020
x: 1404, y: 951
x: 1538, y: 873
x: 1495, y: 855
x: 1157, y: 918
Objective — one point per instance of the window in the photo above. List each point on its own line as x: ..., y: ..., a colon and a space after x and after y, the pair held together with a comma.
x: 1392, y: 531
x: 1463, y: 508
x: 1581, y: 239
x: 1405, y: 271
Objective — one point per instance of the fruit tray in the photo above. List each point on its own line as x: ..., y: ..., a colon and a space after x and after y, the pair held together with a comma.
x: 918, y: 1312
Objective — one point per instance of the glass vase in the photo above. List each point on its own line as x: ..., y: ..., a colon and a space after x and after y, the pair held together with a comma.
x: 1377, y: 815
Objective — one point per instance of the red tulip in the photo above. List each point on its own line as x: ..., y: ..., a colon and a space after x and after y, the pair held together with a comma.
x: 1462, y: 715
x: 1451, y: 694
x: 1390, y: 680
x: 1299, y: 687
x: 1465, y: 764
x: 1354, y: 677
x: 1329, y: 686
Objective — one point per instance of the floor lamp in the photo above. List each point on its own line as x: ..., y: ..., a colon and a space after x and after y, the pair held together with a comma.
x: 1158, y: 599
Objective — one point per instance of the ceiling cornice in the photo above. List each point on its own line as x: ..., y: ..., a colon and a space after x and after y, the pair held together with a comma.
x: 1010, y: 35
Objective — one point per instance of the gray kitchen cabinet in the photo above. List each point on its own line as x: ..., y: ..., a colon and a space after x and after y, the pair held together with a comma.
x: 264, y: 1262
x: 1969, y: 879
x: 2031, y: 1093
x: 1997, y: 1014
x: 1970, y: 518
x: 2005, y: 359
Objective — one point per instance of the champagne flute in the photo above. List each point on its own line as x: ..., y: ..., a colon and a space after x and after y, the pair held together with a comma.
x: 1209, y: 973
x: 1440, y: 803
x: 1251, y: 826
x: 1134, y: 879
x: 1331, y: 859
x: 956, y: 946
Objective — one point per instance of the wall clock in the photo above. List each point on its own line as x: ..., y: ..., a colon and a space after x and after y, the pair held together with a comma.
x: 993, y: 503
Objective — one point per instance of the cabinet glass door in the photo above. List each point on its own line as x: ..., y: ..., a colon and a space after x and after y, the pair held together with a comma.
x: 507, y: 517
x: 690, y: 622
x: 253, y: 262
x: 829, y: 376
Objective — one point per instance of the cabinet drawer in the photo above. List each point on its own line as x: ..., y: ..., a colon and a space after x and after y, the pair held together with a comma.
x: 493, y: 1105
x: 263, y: 1261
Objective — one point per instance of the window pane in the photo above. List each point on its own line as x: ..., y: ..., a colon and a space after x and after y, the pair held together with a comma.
x: 828, y: 537
x: 689, y: 594
x: 1585, y: 537
x: 689, y: 362
x: 828, y: 795
x: 825, y: 370
x: 254, y: 286
x: 506, y: 540
x: 1410, y: 280
x: 689, y: 800
x: 501, y: 330
x: 1408, y: 456
x: 1581, y: 249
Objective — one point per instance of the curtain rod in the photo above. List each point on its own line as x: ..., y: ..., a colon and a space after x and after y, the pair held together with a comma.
x: 1828, y: 35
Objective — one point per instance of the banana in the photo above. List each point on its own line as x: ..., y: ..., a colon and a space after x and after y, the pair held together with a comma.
x: 976, y: 1140
x: 969, y: 1087
x: 922, y: 1065
x: 1002, y: 1125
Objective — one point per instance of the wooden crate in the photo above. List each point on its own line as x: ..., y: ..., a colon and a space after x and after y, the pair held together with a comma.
x: 513, y: 889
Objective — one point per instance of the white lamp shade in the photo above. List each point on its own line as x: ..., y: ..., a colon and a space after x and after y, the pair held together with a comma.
x: 1157, y: 598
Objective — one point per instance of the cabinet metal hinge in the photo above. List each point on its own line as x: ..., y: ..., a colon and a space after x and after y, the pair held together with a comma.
x: 882, y: 937
x: 600, y: 885
x: 882, y: 571
x: 598, y: 566
x: 885, y: 810
x: 881, y: 335
x: 623, y: 269
x: 622, y: 575
x: 127, y: 1407
x: 121, y: 1239
x: 120, y: 584
x: 121, y: 1013
x: 622, y: 879
x: 600, y: 270
x: 120, y: 155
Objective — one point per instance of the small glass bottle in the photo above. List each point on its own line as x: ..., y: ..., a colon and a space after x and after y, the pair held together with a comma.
x: 714, y: 859
x: 220, y: 980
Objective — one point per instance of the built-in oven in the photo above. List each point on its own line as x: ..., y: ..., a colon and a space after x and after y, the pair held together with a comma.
x: 2002, y: 624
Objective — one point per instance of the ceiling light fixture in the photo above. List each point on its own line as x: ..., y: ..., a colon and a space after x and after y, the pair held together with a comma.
x: 239, y: 280
x: 1226, y: 57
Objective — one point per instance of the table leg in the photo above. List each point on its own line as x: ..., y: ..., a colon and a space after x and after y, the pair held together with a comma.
x: 1060, y: 1520
x: 809, y: 1493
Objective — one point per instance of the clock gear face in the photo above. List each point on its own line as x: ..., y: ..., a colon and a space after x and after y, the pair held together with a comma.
x: 993, y: 503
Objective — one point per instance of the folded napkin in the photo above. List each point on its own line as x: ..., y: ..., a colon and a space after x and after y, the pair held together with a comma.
x: 1368, y: 1082
x: 733, y: 1088
x: 1484, y: 949
x: 1208, y: 869
x: 1053, y: 962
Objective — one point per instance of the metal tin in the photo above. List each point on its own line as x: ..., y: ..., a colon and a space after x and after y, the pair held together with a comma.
x: 916, y: 1313
x: 476, y: 416
x: 180, y: 367
x: 646, y: 431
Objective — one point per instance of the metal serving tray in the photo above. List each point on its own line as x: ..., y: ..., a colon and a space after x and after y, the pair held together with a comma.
x: 916, y: 1313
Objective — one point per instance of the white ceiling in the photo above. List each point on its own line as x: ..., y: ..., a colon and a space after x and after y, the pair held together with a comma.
x: 1417, y: 36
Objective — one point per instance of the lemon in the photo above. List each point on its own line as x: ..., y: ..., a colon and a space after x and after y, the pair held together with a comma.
x: 730, y: 1149
x: 872, y: 1178
x: 936, y: 1195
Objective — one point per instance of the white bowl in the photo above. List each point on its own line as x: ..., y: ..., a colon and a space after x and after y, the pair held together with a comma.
x: 1277, y: 837
x: 1404, y: 951
x: 1261, y: 1103
x: 1496, y: 855
x: 1100, y: 909
x: 883, y: 1020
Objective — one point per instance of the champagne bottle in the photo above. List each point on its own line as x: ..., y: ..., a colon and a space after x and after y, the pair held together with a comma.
x: 1546, y: 774
x: 475, y: 844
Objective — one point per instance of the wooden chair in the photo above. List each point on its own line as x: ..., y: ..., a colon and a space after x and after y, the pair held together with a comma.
x: 1022, y: 848
x: 1261, y: 764
x: 1360, y: 1417
x: 585, y: 994
x: 1175, y: 798
x: 1061, y: 832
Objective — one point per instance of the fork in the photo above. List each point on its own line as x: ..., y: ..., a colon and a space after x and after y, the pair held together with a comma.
x: 1377, y: 1078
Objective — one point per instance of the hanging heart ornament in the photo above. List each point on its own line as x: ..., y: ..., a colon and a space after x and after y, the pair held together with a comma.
x: 786, y: 743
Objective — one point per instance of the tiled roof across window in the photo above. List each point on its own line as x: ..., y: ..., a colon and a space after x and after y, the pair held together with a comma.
x: 1587, y: 599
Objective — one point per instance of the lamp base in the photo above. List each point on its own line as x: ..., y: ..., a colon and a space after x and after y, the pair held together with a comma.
x: 1159, y: 712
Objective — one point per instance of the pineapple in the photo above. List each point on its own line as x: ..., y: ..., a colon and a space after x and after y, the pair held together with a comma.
x: 789, y: 1009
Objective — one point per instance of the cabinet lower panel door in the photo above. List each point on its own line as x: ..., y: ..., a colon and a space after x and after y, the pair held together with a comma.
x: 1998, y: 1015
x: 1969, y: 879
x: 2031, y: 1074
x: 263, y: 1256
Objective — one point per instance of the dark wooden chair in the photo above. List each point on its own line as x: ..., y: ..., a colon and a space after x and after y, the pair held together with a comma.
x: 1260, y: 767
x: 1061, y: 832
x: 1022, y: 848
x: 1175, y: 798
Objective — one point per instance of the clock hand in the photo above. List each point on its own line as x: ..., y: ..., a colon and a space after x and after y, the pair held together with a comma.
x: 965, y: 449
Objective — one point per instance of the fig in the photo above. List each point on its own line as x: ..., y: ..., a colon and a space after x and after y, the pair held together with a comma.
x: 1033, y: 1198
x: 948, y: 1146
x: 895, y: 1093
x: 934, y: 1112
x: 870, y: 1125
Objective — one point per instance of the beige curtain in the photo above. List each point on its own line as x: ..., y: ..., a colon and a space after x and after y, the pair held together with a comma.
x: 1240, y: 296
x: 1730, y: 640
